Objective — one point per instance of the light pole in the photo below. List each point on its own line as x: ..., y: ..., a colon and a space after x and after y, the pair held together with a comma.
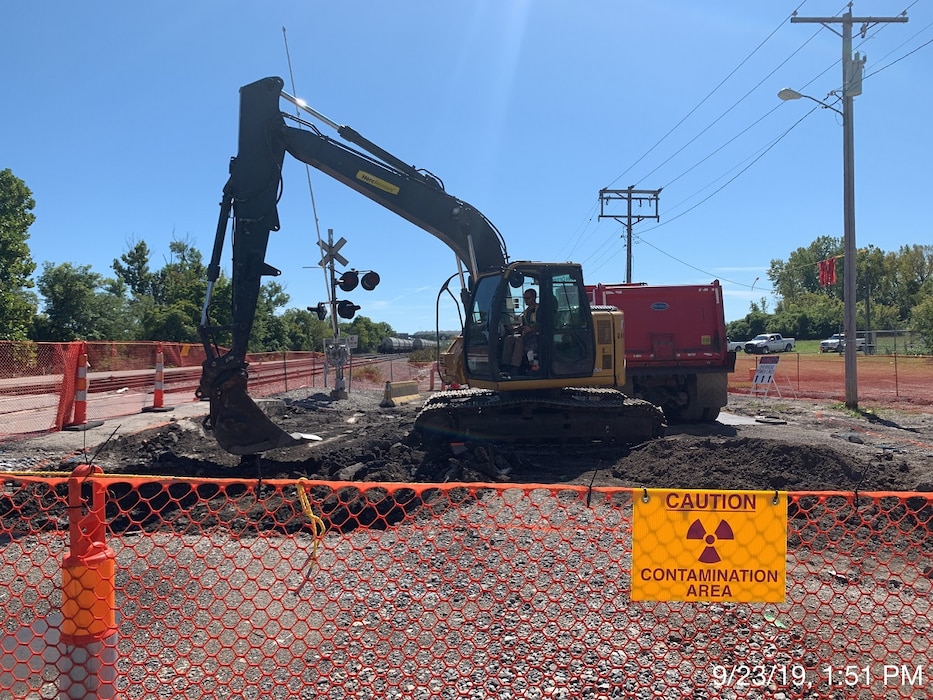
x: 848, y: 235
x: 851, y: 86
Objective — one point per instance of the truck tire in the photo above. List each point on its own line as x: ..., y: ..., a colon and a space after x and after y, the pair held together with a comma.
x: 710, y: 414
x: 788, y: 347
x: 706, y: 394
x: 692, y: 411
x: 765, y: 350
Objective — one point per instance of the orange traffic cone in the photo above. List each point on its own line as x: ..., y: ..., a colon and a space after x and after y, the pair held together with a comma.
x: 158, y: 396
x: 80, y: 421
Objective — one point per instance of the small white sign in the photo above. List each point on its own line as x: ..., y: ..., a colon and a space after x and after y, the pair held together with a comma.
x: 764, y: 374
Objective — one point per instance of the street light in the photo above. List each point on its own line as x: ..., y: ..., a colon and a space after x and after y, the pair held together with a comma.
x: 848, y: 228
x: 791, y: 94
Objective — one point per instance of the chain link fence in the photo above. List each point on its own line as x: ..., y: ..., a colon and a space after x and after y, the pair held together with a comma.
x: 297, y: 589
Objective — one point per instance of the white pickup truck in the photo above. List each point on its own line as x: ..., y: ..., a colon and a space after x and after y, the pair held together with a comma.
x: 734, y: 345
x: 764, y: 343
x: 837, y: 343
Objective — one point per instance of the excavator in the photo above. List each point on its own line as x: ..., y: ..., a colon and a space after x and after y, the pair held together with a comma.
x: 562, y: 382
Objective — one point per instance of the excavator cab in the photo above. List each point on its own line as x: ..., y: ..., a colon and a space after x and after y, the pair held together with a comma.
x: 506, y: 341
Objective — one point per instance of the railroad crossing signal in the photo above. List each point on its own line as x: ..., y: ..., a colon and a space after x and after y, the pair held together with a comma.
x: 331, y: 252
x: 320, y: 310
x: 349, y: 279
x: 347, y: 282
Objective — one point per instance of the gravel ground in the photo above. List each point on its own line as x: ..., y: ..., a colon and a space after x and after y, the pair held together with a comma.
x: 450, y: 604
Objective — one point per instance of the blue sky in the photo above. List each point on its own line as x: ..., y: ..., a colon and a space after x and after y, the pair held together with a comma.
x: 121, y: 118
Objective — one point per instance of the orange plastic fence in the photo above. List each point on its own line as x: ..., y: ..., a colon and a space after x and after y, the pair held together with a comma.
x: 883, y: 380
x: 243, y: 589
x: 37, y: 380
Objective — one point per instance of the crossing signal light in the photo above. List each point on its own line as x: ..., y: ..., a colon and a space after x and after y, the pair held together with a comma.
x: 320, y: 310
x: 370, y: 281
x: 348, y: 280
x: 347, y: 309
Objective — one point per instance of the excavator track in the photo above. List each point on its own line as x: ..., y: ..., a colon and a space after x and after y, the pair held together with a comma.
x: 573, y: 414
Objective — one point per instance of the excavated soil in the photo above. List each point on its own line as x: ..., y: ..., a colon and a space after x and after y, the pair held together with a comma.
x: 762, y: 443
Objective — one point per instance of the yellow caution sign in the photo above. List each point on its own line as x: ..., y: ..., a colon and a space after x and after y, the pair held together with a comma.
x: 709, y: 545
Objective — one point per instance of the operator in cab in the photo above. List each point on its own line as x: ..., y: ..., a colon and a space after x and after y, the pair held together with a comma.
x: 524, y: 336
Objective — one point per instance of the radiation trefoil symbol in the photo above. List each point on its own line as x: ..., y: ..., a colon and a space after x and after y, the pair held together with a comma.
x: 698, y: 532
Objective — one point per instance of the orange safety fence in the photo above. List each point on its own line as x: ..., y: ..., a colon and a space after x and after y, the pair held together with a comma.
x: 301, y: 589
x: 902, y: 381
x: 38, y: 380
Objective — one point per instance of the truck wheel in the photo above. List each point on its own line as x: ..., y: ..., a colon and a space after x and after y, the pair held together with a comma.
x: 710, y: 414
x: 788, y: 347
x: 692, y: 412
x: 765, y: 350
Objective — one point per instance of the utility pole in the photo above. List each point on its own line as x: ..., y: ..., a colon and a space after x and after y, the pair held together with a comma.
x: 851, y: 86
x: 630, y: 195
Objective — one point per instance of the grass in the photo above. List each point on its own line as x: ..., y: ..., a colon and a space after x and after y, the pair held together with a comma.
x: 368, y: 372
x: 807, y: 346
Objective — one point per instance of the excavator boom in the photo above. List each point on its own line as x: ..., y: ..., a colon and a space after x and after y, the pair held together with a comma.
x: 251, y: 195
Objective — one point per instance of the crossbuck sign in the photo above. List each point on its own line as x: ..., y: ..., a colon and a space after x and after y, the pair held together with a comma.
x: 332, y: 252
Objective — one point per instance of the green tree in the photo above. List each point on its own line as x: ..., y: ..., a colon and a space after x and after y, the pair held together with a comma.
x: 81, y: 305
x: 909, y: 270
x: 756, y: 321
x: 182, y: 278
x: 800, y: 273
x: 133, y: 269
x: 169, y: 301
x: 810, y: 315
x: 304, y: 330
x: 370, y: 332
x: 17, y: 304
x: 888, y: 286
x: 921, y: 321
x: 269, y: 331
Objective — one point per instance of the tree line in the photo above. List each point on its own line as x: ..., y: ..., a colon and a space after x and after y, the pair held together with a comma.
x: 894, y: 291
x: 142, y: 302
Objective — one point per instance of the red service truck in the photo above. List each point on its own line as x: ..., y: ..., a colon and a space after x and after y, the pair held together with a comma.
x: 675, y: 346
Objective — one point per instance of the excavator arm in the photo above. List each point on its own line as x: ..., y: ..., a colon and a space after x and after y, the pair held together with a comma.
x: 251, y: 196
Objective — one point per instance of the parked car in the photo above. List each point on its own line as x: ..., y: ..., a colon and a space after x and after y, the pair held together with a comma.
x: 837, y: 343
x: 734, y: 345
x: 764, y: 343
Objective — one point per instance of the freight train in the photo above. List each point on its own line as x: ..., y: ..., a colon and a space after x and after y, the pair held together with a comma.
x: 400, y: 345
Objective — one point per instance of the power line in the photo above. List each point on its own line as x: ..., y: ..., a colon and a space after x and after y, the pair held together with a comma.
x: 754, y: 160
x: 601, y: 248
x: 703, y: 101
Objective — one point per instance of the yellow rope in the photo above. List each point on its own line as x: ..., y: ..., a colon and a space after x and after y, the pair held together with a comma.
x: 317, y: 524
x: 318, y: 527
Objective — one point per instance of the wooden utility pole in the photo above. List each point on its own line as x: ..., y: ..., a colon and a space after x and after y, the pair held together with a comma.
x: 630, y: 195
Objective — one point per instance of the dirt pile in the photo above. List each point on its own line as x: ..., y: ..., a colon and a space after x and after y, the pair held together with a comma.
x: 761, y: 443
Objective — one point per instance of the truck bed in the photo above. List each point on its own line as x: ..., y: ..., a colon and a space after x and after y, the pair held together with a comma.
x: 669, y: 326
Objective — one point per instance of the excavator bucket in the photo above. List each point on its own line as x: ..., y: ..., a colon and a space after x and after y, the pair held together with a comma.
x: 241, y: 427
